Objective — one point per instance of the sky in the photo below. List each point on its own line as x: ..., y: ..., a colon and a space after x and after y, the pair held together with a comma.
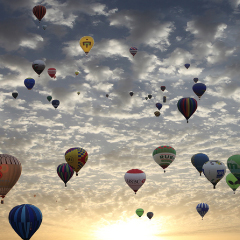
x: 121, y: 132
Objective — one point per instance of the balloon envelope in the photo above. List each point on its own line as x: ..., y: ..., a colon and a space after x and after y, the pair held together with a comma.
x: 232, y: 182
x: 214, y: 171
x: 157, y: 113
x: 86, y: 43
x: 65, y: 172
x: 52, y: 72
x: 133, y: 51
x: 107, y: 95
x: 195, y: 80
x: 10, y: 171
x: 39, y: 11
x: 149, y: 96
x: 187, y: 106
x: 233, y: 164
x: 38, y: 66
x: 25, y: 219
x: 55, y: 103
x: 164, y: 156
x: 131, y: 94
x: 15, y: 94
x: 199, y: 89
x: 187, y: 65
x: 164, y: 98
x: 78, y: 93
x: 44, y: 27
x: 135, y: 178
x: 139, y: 212
x: 202, y: 209
x: 49, y: 98
x: 159, y: 106
x: 29, y: 83
x: 163, y: 88
x: 76, y: 73
x: 150, y: 215
x: 198, y: 160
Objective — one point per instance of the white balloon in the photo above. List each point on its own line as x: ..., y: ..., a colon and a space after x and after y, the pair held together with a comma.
x: 135, y: 178
x: 214, y: 171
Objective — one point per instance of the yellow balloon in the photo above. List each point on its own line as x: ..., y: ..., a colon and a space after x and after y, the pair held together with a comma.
x: 78, y: 93
x: 86, y: 44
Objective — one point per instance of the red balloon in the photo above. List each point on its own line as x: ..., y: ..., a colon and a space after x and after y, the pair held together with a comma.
x: 39, y: 11
x: 52, y: 72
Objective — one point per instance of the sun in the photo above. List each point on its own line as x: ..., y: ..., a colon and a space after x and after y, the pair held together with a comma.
x: 137, y: 228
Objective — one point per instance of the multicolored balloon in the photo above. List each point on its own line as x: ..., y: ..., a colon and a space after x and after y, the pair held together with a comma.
x: 76, y: 72
x: 202, y: 209
x: 76, y: 158
x: 25, y: 220
x: 38, y: 66
x: 159, y: 106
x: 187, y: 65
x: 29, y: 83
x: 199, y: 89
x: 55, y: 103
x: 49, y: 98
x: 15, y: 94
x: 131, y: 94
x: 139, y: 212
x: 10, y: 171
x: 198, y: 160
x: 86, y: 43
x: 233, y: 164
x: 150, y: 215
x: 164, y: 156
x: 65, y: 172
x: 39, y: 11
x: 157, y: 113
x: 187, y: 106
x: 195, y: 80
x: 232, y: 182
x: 163, y: 88
x: 133, y: 51
x: 52, y: 72
x: 214, y: 171
x: 135, y: 178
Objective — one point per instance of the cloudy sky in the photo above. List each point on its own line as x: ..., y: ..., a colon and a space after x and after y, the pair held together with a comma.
x: 120, y: 132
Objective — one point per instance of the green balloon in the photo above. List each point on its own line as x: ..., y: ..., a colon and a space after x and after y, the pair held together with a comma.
x: 139, y: 212
x: 232, y: 181
x: 233, y: 164
x: 146, y: 98
x: 49, y: 98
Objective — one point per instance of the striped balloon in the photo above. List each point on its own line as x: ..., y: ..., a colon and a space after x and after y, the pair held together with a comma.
x: 39, y: 11
x: 202, y: 209
x: 25, y: 219
x: 133, y: 51
x: 65, y: 172
x: 187, y: 106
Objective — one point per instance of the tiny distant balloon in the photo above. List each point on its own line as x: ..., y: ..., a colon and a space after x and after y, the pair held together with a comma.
x: 198, y: 160
x: 149, y: 96
x: 38, y: 66
x: 49, y: 98
x: 86, y: 43
x: 187, y: 65
x: 52, y: 72
x: 150, y: 215
x: 39, y: 12
x: 163, y: 88
x: 65, y: 172
x: 157, y: 113
x: 29, y: 83
x: 55, y: 103
x: 195, y: 80
x: 131, y: 94
x: 135, y: 178
x: 232, y: 182
x: 78, y: 93
x: 44, y: 27
x: 77, y: 73
x: 107, y: 95
x: 199, y: 89
x: 133, y: 51
x: 164, y: 99
x: 139, y: 212
x: 159, y: 106
x: 146, y: 98
x: 15, y: 94
x: 202, y: 209
x: 187, y: 106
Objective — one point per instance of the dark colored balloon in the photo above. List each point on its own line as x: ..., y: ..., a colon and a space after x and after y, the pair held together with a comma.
x: 195, y: 80
x: 157, y: 113
x: 146, y: 98
x: 49, y: 98
x: 163, y: 88
x: 164, y: 98
x: 29, y: 83
x: 39, y: 11
x: 150, y: 215
x: 55, y: 103
x: 107, y: 95
x: 131, y: 94
x: 149, y: 96
x: 159, y: 106
x: 65, y: 172
x: 15, y: 94
x: 187, y: 106
x: 199, y: 89
x: 187, y: 65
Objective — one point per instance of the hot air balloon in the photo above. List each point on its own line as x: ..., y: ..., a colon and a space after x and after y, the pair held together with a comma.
x: 133, y: 51
x: 76, y: 158
x: 146, y: 98
x: 131, y: 94
x: 38, y: 66
x: 149, y: 96
x: 52, y: 72
x: 65, y: 172
x: 195, y: 80
x: 187, y: 106
x: 233, y: 164
x: 139, y: 212
x: 10, y: 171
x: 39, y: 11
x: 198, y: 160
x: 107, y: 95
x: 159, y: 106
x: 135, y: 178
x: 187, y: 65
x: 199, y: 89
x: 164, y: 98
x: 163, y: 88
x: 164, y: 156
x: 214, y: 171
x: 76, y: 72
x: 157, y: 113
x: 78, y: 93
x: 202, y: 209
x: 232, y: 182
x: 49, y: 98
x: 15, y: 94
x: 86, y: 43
x: 55, y: 103
x: 150, y: 215
x: 44, y: 27
x: 29, y: 83
x: 25, y: 220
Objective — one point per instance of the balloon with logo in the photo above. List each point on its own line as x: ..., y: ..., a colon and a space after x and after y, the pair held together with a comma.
x: 39, y: 11
x: 25, y: 220
x: 187, y: 65
x: 86, y: 43
x: 52, y: 72
x: 29, y: 83
x: 135, y: 178
x: 15, y: 94
x: 232, y: 182
x: 195, y: 80
x: 159, y: 106
x: 10, y: 171
x: 133, y: 51
x: 233, y: 164
x: 199, y: 89
x: 55, y: 103
x: 164, y: 156
x: 214, y: 171
x: 38, y: 66
x: 198, y: 160
x: 65, y: 172
x: 139, y: 212
x: 163, y: 88
x: 49, y: 98
x: 202, y: 209
x: 187, y: 106
x: 76, y: 158
x: 150, y: 215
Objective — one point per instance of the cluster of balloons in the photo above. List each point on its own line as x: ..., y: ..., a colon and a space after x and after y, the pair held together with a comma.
x: 140, y: 212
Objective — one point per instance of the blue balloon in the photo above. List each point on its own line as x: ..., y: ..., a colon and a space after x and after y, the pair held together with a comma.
x: 159, y: 106
x: 25, y: 219
x: 29, y: 83
x: 198, y: 160
x: 187, y: 65
x: 55, y: 103
x: 202, y: 209
x: 195, y: 80
x: 199, y: 89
